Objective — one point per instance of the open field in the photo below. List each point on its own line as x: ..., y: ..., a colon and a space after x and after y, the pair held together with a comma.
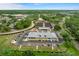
x: 5, y: 42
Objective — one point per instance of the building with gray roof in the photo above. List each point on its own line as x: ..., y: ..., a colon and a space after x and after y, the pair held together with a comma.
x: 43, y: 33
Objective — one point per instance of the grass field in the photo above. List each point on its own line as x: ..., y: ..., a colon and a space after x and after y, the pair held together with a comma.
x: 5, y: 42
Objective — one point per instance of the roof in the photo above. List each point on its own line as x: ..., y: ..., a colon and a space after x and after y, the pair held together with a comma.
x: 44, y: 28
x: 42, y: 35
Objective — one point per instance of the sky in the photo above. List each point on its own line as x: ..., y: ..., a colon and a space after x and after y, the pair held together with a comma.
x: 39, y: 6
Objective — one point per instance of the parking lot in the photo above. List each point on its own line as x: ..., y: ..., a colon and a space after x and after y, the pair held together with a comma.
x: 37, y: 43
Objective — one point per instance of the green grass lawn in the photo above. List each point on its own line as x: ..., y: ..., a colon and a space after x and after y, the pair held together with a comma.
x: 5, y: 42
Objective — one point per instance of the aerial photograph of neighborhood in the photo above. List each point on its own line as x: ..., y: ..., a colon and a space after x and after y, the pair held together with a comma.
x: 39, y: 29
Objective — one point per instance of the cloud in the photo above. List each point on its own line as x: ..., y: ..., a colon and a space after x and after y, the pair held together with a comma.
x: 37, y: 3
x: 11, y: 6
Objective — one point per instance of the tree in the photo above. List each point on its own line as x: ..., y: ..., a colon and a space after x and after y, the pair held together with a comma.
x: 57, y: 28
x: 73, y: 26
x: 23, y: 24
x: 67, y: 39
x: 77, y: 35
x: 27, y: 53
x: 4, y: 28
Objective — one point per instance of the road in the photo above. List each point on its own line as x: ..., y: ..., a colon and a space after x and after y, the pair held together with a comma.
x: 18, y: 31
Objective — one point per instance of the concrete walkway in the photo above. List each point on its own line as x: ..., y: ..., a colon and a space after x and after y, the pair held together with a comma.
x: 18, y: 31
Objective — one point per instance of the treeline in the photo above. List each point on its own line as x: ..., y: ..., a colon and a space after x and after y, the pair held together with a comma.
x: 31, y: 53
x: 54, y: 18
x: 35, y: 11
